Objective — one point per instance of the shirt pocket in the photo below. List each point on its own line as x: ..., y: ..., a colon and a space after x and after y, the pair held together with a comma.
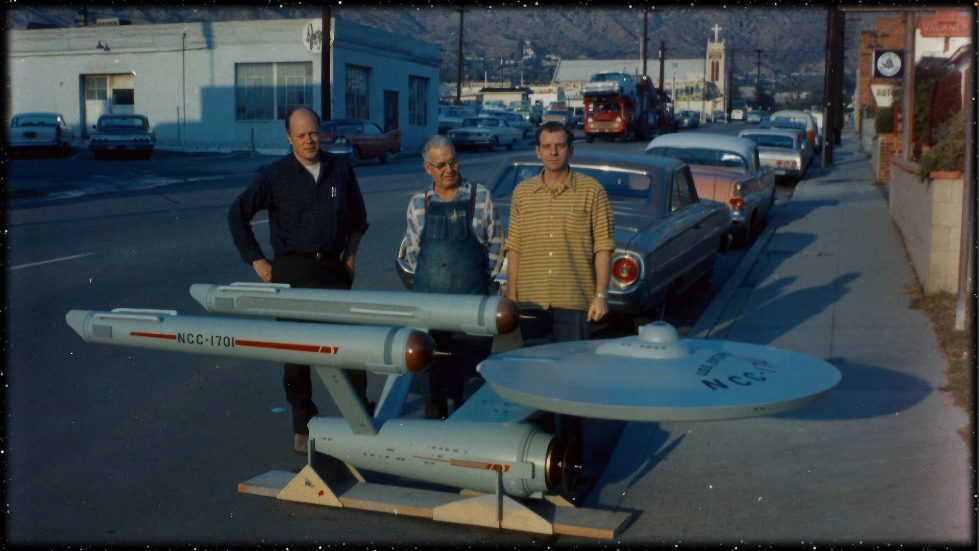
x: 576, y: 221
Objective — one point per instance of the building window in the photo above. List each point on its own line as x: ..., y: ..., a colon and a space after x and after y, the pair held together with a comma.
x: 96, y: 88
x: 418, y: 101
x: 268, y: 91
x: 123, y: 96
x: 358, y: 92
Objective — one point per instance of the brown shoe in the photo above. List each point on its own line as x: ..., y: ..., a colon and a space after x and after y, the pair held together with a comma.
x: 300, y: 443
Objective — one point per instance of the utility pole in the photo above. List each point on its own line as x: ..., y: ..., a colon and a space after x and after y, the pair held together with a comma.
x: 462, y: 61
x: 326, y: 53
x: 758, y: 52
x: 642, y: 45
x: 964, y: 309
x: 729, y: 84
x: 662, y: 52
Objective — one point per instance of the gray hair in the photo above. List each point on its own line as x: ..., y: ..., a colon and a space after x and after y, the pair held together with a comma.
x: 436, y: 141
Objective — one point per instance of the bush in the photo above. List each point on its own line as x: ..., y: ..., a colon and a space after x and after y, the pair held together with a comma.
x: 884, y: 121
x: 949, y: 150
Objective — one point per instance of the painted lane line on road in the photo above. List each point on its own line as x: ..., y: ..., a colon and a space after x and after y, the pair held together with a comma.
x: 53, y: 260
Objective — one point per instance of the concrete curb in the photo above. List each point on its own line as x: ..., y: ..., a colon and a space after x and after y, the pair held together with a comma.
x: 711, y: 316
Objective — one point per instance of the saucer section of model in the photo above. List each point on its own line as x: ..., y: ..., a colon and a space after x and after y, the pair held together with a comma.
x: 656, y: 376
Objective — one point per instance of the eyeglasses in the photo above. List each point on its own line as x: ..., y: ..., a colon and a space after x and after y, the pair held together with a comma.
x: 454, y: 163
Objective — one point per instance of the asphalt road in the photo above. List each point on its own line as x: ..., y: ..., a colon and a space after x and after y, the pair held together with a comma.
x: 123, y: 445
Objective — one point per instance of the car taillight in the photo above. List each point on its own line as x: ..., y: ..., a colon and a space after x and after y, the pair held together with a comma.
x: 625, y: 271
x: 737, y: 198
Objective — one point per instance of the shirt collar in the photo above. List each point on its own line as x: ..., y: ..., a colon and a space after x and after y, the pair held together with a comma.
x: 568, y: 184
x: 464, y: 188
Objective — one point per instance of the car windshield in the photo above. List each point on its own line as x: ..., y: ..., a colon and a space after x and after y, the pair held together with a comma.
x: 121, y: 122
x: 708, y: 157
x: 771, y: 140
x: 35, y: 120
x: 619, y: 184
x: 481, y: 122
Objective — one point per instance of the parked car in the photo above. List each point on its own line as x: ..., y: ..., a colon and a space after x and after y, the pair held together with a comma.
x: 485, y: 131
x: 562, y: 116
x: 687, y: 119
x: 516, y: 120
x: 451, y: 116
x: 725, y: 169
x: 812, y: 129
x: 666, y: 238
x: 366, y: 137
x: 47, y: 132
x: 122, y: 134
x: 737, y: 114
x: 755, y: 117
x: 338, y: 145
x: 786, y: 151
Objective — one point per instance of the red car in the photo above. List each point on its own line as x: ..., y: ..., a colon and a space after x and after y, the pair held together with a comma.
x: 367, y: 138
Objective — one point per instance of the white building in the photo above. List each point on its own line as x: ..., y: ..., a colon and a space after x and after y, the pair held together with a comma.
x: 684, y: 79
x: 224, y: 85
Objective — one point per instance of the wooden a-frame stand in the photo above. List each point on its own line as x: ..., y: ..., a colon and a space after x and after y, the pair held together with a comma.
x: 334, y: 484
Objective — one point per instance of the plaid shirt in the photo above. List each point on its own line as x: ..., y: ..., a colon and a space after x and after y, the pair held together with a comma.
x: 486, y: 224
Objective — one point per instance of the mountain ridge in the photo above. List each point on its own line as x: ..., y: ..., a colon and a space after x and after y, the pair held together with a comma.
x: 791, y: 40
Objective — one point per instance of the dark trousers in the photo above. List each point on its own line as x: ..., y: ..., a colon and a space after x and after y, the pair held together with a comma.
x: 454, y: 375
x: 552, y: 326
x: 308, y: 272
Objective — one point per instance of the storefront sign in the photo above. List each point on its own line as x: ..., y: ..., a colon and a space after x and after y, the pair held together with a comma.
x: 945, y: 24
x: 313, y: 35
x: 888, y: 63
x: 884, y: 94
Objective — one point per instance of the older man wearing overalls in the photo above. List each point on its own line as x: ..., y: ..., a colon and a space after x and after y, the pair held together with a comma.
x: 454, y: 244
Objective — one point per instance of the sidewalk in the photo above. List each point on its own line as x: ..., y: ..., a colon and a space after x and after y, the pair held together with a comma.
x: 879, y: 460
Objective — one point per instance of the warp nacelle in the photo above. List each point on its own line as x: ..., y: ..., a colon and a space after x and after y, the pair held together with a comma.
x: 388, y: 350
x: 527, y: 460
x: 471, y: 314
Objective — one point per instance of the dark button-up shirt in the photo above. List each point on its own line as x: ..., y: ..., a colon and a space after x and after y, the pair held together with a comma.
x: 305, y: 215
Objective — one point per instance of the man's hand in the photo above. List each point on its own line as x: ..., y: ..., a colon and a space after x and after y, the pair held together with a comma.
x: 598, y: 309
x: 264, y: 269
x: 349, y: 262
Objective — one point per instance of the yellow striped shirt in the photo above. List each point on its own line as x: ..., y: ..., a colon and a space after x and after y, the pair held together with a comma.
x: 557, y: 236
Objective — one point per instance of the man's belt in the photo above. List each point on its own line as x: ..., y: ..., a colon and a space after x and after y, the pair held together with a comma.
x: 319, y: 255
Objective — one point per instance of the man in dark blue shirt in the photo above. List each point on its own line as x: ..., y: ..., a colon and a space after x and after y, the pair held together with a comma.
x: 316, y: 220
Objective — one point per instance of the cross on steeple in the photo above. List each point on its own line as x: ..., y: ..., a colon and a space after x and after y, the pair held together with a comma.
x: 717, y: 29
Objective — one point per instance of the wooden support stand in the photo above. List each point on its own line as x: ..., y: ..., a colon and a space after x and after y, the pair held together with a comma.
x: 548, y: 516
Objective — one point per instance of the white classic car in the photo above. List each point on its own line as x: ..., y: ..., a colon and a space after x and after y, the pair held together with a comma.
x: 725, y: 169
x: 39, y: 131
x: 786, y: 151
x: 489, y: 132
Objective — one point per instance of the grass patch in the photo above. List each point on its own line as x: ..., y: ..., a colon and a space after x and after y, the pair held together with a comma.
x: 959, y: 348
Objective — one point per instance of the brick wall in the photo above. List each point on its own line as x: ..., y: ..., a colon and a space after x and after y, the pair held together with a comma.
x: 887, y: 149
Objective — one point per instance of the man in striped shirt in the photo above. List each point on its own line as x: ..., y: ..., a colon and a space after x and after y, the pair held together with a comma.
x: 559, y: 250
x: 559, y: 245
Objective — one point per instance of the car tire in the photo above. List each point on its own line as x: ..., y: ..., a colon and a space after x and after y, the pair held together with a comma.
x: 743, y: 238
x: 495, y: 144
